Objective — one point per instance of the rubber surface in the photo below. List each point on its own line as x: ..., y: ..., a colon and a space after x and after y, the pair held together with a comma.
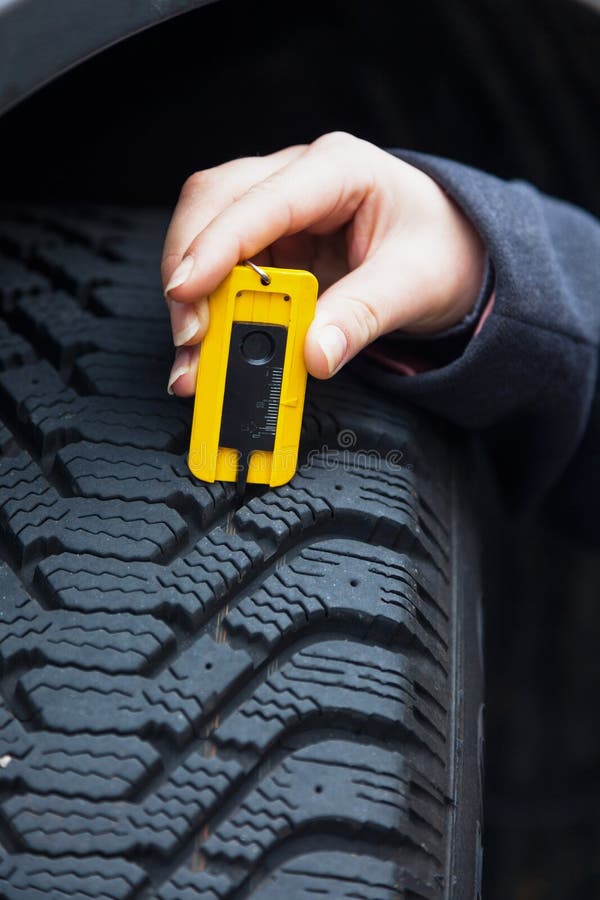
x: 39, y: 43
x: 198, y: 700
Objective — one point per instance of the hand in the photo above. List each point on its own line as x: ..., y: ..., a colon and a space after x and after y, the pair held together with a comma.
x: 390, y: 249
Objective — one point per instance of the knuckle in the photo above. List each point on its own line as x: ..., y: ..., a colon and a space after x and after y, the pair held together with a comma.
x: 335, y: 139
x: 207, y: 179
x: 168, y: 263
x: 366, y: 319
x: 197, y: 181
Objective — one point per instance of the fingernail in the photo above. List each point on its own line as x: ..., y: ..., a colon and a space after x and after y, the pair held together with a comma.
x: 181, y: 366
x: 181, y: 273
x: 334, y: 344
x: 184, y: 321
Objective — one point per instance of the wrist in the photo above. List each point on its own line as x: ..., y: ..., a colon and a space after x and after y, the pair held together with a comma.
x: 455, y: 267
x: 471, y: 266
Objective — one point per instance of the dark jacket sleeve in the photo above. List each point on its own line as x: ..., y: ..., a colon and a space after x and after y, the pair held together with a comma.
x: 528, y: 381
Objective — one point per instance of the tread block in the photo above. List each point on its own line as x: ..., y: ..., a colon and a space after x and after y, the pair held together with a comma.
x: 53, y: 415
x: 36, y: 519
x: 110, y: 472
x: 111, y: 375
x: 345, y: 581
x: 191, y: 885
x: 66, y: 330
x: 16, y: 280
x: 14, y: 350
x: 380, y: 502
x: 174, y: 704
x: 133, y: 247
x: 335, y: 780
x: 341, y: 679
x: 77, y: 269
x: 129, y: 303
x: 190, y: 588
x: 96, y: 227
x: 21, y: 239
x: 341, y: 414
x: 8, y: 444
x: 331, y: 875
x: 351, y: 787
x: 28, y: 877
x: 77, y: 227
x: 106, y: 643
x: 80, y: 766
x: 342, y: 876
x: 56, y: 825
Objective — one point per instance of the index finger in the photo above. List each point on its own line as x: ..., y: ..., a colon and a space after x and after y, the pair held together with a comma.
x: 207, y: 193
x: 320, y: 189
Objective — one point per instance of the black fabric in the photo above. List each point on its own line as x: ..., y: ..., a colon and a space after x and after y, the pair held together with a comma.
x: 527, y: 382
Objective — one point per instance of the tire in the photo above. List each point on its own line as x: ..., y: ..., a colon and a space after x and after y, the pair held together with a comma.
x: 207, y: 699
x: 35, y: 48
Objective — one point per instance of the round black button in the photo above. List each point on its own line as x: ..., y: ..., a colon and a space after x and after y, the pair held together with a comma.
x: 258, y: 348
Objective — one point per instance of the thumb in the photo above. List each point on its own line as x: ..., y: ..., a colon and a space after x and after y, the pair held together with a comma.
x: 351, y: 314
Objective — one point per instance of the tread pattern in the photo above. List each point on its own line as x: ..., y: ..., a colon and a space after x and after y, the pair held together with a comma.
x: 43, y: 763
x: 293, y: 598
x: 336, y: 678
x: 104, y: 374
x: 199, y: 700
x: 156, y: 826
x: 109, y: 472
x: 175, y: 703
x: 51, y: 415
x: 27, y: 877
x: 35, y: 518
x: 110, y: 643
x: 58, y: 323
x: 191, y: 588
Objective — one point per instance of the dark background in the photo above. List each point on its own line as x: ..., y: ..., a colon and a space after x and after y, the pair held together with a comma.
x: 510, y: 87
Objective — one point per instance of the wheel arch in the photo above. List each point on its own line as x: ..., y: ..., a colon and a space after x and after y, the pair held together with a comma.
x: 39, y: 42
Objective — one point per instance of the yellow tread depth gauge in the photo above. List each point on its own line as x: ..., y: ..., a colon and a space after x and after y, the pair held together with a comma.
x: 252, y: 377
